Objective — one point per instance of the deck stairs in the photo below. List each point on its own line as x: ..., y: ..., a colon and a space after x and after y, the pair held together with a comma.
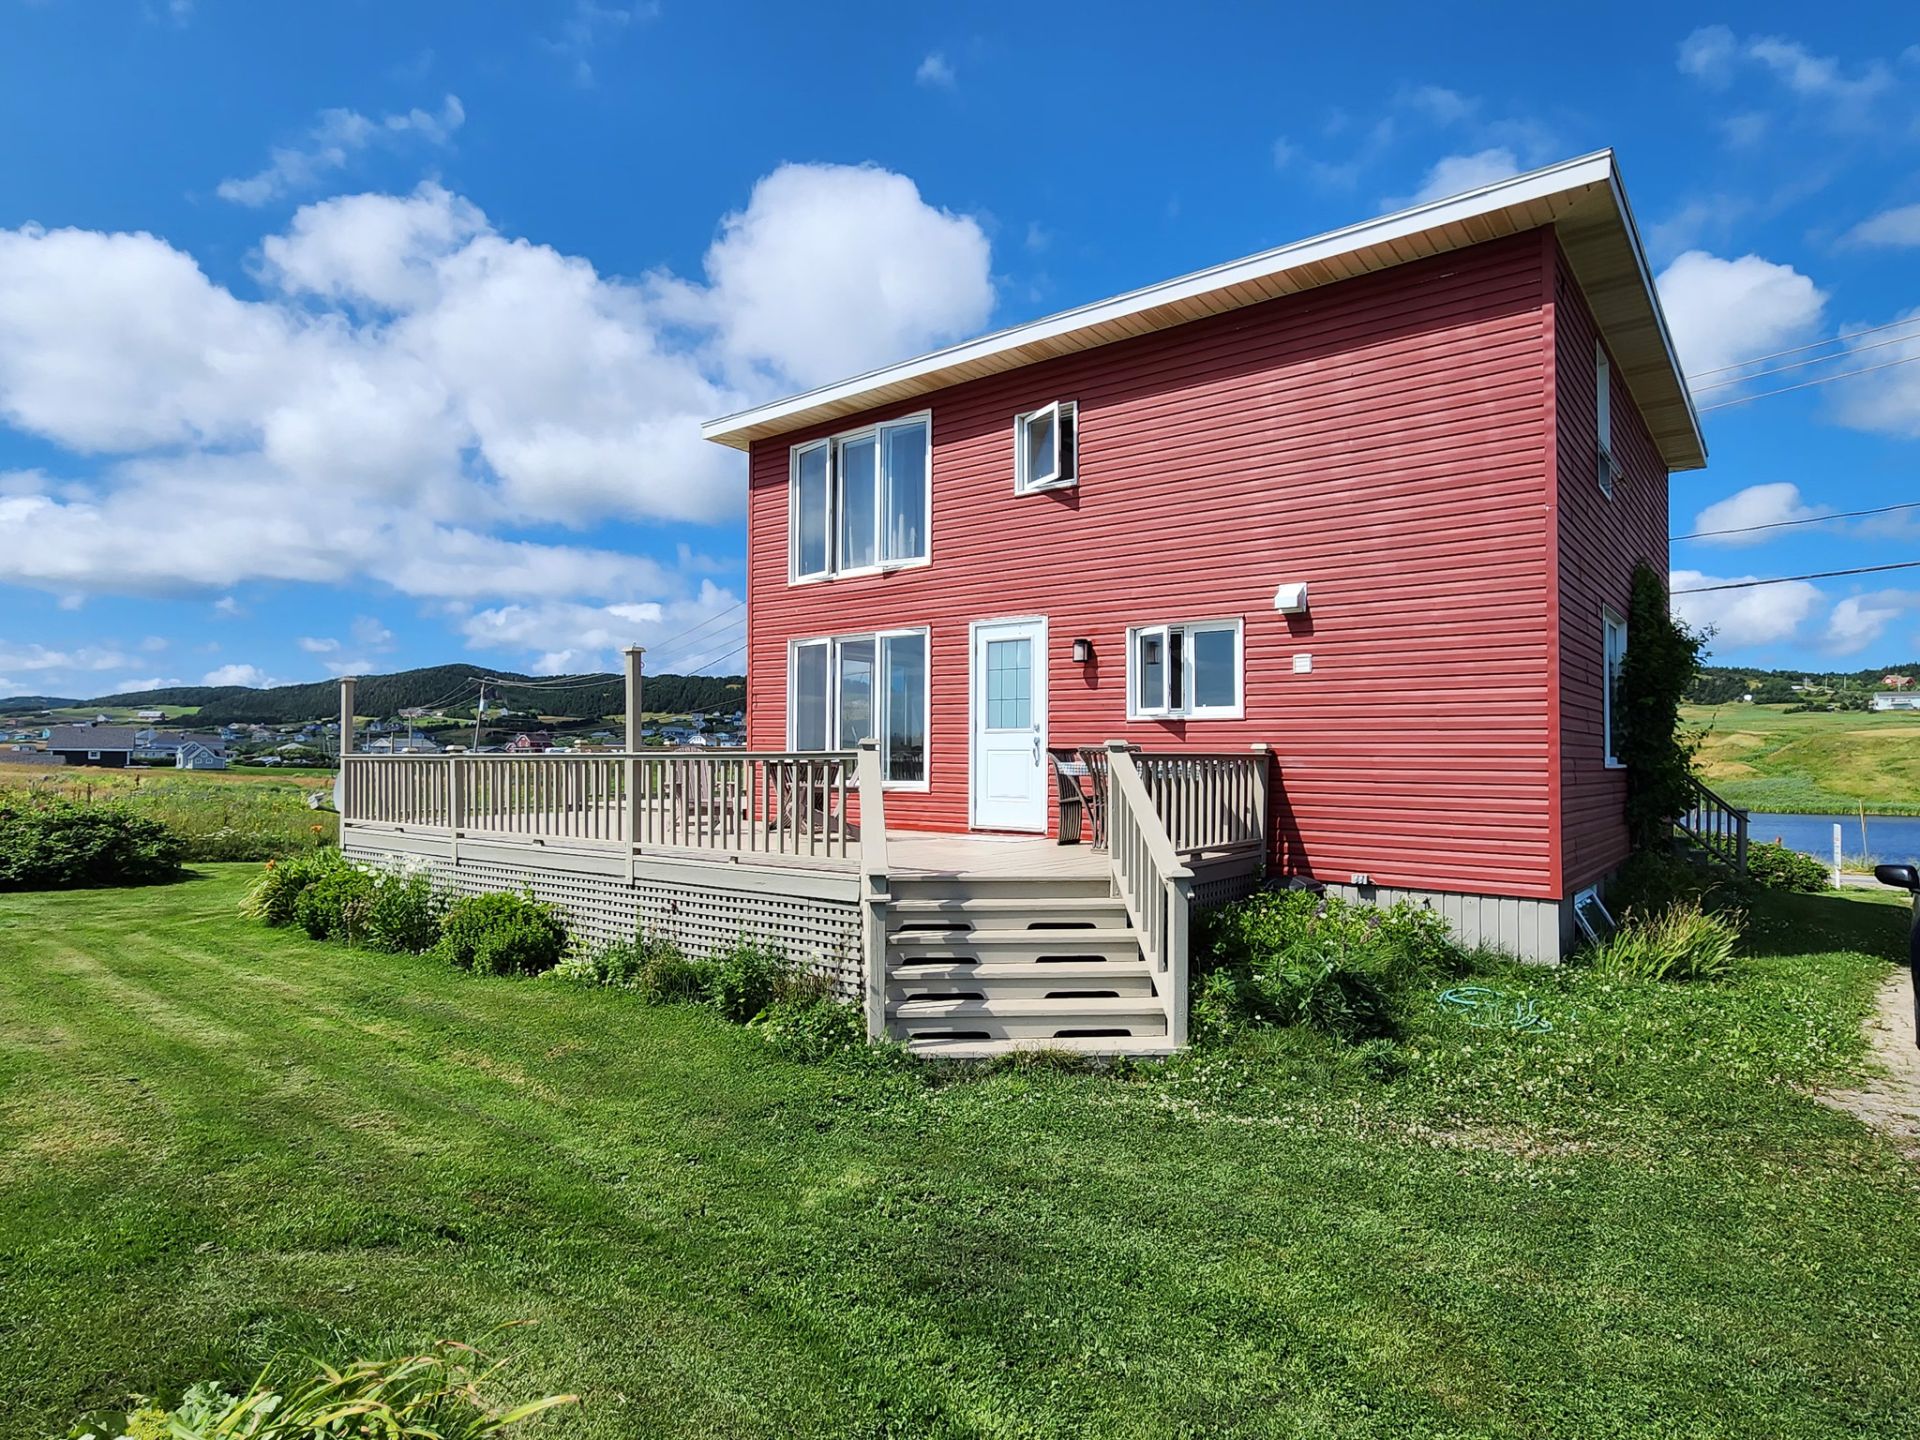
x: 979, y: 966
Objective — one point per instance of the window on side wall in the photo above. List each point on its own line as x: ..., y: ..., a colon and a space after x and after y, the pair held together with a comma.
x: 843, y: 688
x: 1614, y: 641
x: 1046, y: 448
x: 1603, y: 415
x: 1187, y: 671
x: 859, y: 501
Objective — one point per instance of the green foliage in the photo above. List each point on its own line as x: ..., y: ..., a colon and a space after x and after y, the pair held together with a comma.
x: 747, y: 978
x: 501, y: 934
x: 1681, y: 942
x: 651, y: 966
x: 403, y: 913
x: 1775, y: 867
x: 49, y: 843
x: 272, y: 897
x: 812, y: 1027
x: 437, y: 1394
x: 334, y: 904
x: 1662, y: 658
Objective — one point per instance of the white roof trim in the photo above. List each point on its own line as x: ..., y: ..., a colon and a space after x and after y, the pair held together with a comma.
x: 931, y: 371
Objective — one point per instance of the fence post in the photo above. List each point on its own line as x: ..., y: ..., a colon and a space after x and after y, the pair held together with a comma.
x: 631, y: 766
x: 456, y: 804
x: 875, y: 886
x: 1261, y: 803
x: 347, y: 686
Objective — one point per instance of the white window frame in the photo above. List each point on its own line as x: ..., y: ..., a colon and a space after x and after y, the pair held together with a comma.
x: 1066, y: 469
x: 1603, y: 416
x: 1184, y: 708
x: 877, y: 432
x: 1612, y: 653
x: 881, y: 689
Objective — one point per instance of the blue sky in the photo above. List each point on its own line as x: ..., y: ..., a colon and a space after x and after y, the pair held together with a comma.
x: 364, y: 336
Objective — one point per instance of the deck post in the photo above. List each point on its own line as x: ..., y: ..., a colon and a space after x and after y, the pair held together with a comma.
x: 875, y: 887
x: 347, y: 686
x: 456, y: 805
x: 1261, y: 802
x: 631, y: 781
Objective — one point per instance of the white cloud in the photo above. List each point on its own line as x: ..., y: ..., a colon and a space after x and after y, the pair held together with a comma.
x: 227, y: 607
x: 38, y: 659
x: 1439, y: 104
x: 1859, y: 620
x: 1757, y: 505
x: 1457, y: 173
x: 367, y: 630
x: 154, y: 643
x: 141, y: 682
x: 1285, y: 152
x: 441, y: 384
x: 319, y: 644
x: 1723, y: 312
x: 1761, y: 615
x: 588, y: 26
x: 833, y: 269
x: 1886, y: 401
x: 936, y: 73
x: 335, y: 138
x: 251, y: 675
x: 1715, y: 55
x: 570, y: 638
x: 1899, y: 226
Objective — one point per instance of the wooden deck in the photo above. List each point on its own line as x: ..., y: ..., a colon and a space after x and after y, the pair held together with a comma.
x: 925, y: 855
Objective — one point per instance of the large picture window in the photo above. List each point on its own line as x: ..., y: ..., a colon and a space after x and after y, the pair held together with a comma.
x: 844, y: 688
x: 1190, y: 670
x: 860, y: 500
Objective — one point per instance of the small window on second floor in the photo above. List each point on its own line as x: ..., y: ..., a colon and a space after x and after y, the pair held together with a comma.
x: 1603, y: 418
x: 1046, y: 448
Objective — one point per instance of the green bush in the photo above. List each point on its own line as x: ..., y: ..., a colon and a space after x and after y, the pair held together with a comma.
x: 652, y: 966
x: 1775, y: 867
x: 403, y: 913
x: 271, y: 900
x: 501, y: 935
x: 48, y: 843
x: 812, y: 1027
x: 334, y: 905
x: 438, y: 1392
x: 1681, y: 942
x: 747, y: 979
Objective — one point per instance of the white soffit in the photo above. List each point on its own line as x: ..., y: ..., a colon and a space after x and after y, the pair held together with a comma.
x: 1583, y: 198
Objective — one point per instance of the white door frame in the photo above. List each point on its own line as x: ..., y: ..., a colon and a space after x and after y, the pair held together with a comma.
x: 1040, y: 700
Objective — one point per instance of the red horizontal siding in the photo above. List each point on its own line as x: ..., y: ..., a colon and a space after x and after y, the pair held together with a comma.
x: 1600, y: 542
x: 1384, y: 439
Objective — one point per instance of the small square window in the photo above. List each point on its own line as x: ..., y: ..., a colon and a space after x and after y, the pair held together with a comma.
x: 1191, y: 671
x: 1046, y: 446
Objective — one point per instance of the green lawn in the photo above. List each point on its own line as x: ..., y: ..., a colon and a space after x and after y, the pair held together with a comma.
x: 216, y: 1141
x: 1761, y: 757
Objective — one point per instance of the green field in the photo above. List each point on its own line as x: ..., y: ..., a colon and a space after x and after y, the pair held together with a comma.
x: 217, y: 1141
x: 1762, y: 758
x: 239, y: 814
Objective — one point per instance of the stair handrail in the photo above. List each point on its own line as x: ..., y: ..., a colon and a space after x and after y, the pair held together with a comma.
x: 875, y: 886
x: 1715, y: 824
x: 1152, y: 880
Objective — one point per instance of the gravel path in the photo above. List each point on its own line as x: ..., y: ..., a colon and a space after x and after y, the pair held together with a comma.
x: 1890, y: 1098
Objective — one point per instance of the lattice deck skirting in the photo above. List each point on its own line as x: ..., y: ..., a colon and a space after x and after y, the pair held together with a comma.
x: 814, y: 917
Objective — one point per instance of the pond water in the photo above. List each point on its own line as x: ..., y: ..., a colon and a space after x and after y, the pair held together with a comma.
x: 1889, y: 837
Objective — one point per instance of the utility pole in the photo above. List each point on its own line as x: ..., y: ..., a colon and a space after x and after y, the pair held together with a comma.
x: 479, y: 713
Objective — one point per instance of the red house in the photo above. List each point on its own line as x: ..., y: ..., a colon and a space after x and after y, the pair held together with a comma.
x: 1371, y: 500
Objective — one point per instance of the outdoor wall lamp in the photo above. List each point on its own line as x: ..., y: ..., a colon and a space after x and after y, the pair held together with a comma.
x: 1082, y: 651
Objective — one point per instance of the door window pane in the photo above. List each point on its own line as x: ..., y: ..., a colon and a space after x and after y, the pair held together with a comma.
x: 859, y: 474
x: 904, y: 532
x: 810, y: 512
x: 1009, y: 684
x: 856, y: 691
x: 906, y: 681
x: 810, y: 697
x: 1214, y: 684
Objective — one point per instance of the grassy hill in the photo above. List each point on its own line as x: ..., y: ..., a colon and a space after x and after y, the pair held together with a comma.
x: 1816, y: 762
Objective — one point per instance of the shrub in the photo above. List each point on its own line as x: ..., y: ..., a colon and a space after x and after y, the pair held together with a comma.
x: 501, y: 935
x: 1652, y: 880
x: 437, y: 1392
x: 271, y: 900
x: 1775, y: 867
x: 651, y: 965
x: 1681, y: 942
x: 747, y: 978
x: 812, y: 1028
x: 56, y: 844
x: 334, y: 905
x: 1662, y: 658
x: 403, y: 913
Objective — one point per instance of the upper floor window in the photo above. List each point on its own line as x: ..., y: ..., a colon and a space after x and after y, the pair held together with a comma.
x: 1614, y: 640
x: 1190, y: 671
x: 1046, y: 448
x: 1603, y: 401
x: 860, y: 500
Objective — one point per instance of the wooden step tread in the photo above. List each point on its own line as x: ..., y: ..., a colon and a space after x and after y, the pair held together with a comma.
x: 935, y: 1047
x: 987, y: 971
x: 1065, y: 939
x: 1039, y: 1008
x: 996, y: 904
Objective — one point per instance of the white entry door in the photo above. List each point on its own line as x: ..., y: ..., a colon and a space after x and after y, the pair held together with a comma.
x: 1010, y: 766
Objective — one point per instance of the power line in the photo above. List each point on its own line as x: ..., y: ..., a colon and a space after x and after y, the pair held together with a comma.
x: 1802, y: 364
x: 721, y: 660
x: 1788, y: 579
x: 1810, y: 345
x: 1808, y: 520
x: 1808, y: 384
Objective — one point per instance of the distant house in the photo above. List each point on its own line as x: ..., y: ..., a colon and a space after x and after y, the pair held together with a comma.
x: 1894, y: 700
x: 531, y: 742
x: 197, y: 755
x: 108, y: 745
x: 150, y: 715
x: 1897, y: 682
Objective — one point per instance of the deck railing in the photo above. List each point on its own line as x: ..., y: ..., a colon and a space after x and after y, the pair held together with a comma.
x: 1212, y: 805
x: 746, y: 805
x: 1717, y: 827
x: 1152, y: 878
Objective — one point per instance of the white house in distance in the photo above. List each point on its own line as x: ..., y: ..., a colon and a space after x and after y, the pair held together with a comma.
x: 196, y: 755
x: 1897, y: 700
